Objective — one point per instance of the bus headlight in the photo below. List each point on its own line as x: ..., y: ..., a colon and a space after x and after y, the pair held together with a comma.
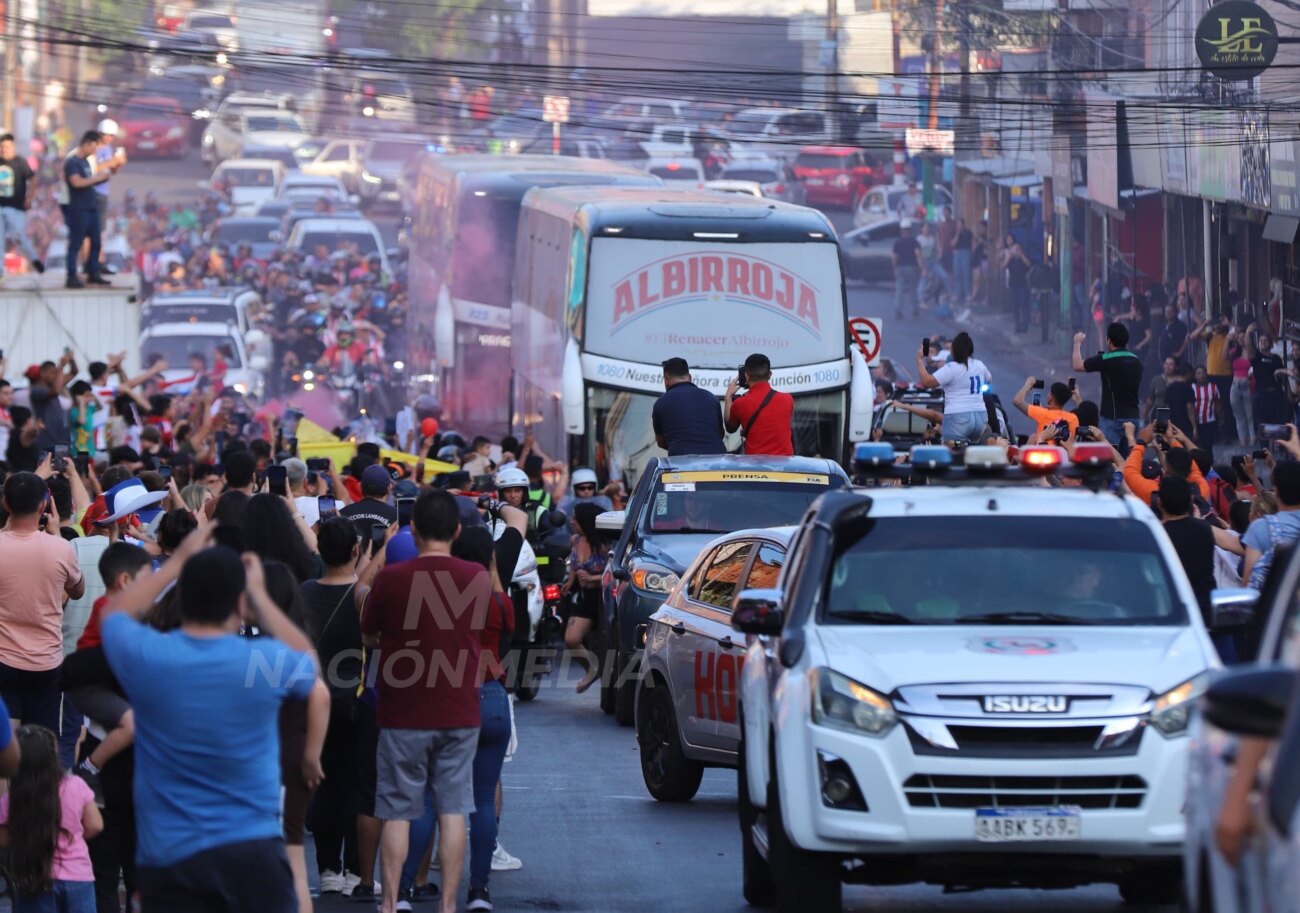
x: 1172, y: 711
x: 841, y: 703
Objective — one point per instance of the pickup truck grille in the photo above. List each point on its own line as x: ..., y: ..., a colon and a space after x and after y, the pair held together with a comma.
x: 976, y: 741
x: 957, y: 792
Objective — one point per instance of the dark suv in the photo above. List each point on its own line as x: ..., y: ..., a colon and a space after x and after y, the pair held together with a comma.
x: 681, y: 504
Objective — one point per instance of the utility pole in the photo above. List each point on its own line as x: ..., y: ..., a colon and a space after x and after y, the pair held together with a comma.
x: 833, y: 73
x: 11, y: 66
x: 936, y: 64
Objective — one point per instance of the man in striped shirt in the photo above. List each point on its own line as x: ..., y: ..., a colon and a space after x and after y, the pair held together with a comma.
x: 1205, y: 410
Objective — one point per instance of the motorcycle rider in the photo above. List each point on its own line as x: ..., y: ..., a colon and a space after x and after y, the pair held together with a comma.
x: 346, y: 351
x: 585, y: 485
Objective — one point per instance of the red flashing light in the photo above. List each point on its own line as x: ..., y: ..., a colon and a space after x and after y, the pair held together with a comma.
x: 1092, y: 455
x: 551, y: 592
x: 1041, y: 460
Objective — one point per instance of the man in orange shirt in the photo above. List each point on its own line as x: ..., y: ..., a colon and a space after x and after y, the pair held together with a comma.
x: 1045, y: 416
x: 1142, y: 479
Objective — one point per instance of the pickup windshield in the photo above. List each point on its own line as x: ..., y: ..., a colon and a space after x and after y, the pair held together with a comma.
x: 990, y: 570
x: 723, y: 501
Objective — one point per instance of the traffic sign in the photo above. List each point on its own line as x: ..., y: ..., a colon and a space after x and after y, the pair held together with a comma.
x: 940, y: 141
x: 555, y: 109
x: 866, y: 335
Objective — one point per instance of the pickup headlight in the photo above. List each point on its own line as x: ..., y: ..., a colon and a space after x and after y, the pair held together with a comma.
x: 654, y: 579
x: 175, y: 133
x: 841, y: 703
x: 1172, y: 711
x: 842, y: 180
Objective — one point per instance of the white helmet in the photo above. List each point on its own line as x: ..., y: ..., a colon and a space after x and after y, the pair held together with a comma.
x: 584, y: 476
x: 108, y: 125
x: 511, y: 478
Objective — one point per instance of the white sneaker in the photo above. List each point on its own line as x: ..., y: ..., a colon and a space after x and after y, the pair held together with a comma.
x: 503, y: 861
x: 331, y: 883
x: 404, y: 906
x: 350, y: 881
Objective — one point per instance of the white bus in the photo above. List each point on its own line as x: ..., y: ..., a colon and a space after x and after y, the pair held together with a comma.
x: 464, y: 214
x: 610, y: 282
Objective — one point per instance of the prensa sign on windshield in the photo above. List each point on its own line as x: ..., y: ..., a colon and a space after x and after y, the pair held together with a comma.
x: 715, y: 304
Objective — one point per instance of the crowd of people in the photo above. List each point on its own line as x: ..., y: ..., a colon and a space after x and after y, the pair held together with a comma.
x: 214, y: 553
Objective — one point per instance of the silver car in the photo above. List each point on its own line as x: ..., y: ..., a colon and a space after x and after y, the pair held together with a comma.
x: 775, y: 178
x: 1250, y: 700
x: 689, y: 691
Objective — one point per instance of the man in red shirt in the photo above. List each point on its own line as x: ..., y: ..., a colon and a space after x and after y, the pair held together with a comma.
x: 763, y: 416
x: 423, y: 617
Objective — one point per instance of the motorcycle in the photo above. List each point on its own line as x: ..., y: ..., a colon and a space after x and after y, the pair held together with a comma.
x: 537, y: 620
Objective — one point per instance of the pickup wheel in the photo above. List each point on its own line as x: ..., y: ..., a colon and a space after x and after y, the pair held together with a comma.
x: 624, y: 691
x: 668, y: 773
x: 805, y: 881
x: 756, y: 874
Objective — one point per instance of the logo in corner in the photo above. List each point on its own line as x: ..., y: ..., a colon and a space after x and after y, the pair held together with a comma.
x: 1021, y: 646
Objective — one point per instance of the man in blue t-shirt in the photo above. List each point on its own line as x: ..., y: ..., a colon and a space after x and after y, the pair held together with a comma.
x: 82, y: 212
x: 206, y: 703
x: 686, y: 419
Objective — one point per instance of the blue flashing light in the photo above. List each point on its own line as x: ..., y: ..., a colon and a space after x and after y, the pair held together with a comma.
x: 931, y: 456
x: 872, y: 455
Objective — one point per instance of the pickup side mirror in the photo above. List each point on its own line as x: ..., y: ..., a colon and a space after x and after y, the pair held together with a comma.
x: 758, y: 612
x: 1232, y: 608
x: 1251, y: 701
x: 611, y: 521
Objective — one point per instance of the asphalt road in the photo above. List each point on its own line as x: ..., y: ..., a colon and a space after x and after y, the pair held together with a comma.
x: 591, y: 838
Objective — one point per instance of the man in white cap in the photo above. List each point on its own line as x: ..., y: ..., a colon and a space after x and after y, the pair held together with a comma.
x: 106, y: 156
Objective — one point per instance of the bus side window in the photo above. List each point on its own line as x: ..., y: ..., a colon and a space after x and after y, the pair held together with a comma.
x: 577, y: 277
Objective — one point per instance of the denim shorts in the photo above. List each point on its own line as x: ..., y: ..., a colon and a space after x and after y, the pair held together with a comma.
x: 964, y: 426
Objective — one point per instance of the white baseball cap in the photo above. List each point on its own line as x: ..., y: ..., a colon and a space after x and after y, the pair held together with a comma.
x: 108, y: 125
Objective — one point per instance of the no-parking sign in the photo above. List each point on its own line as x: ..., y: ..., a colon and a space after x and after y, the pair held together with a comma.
x: 866, y: 335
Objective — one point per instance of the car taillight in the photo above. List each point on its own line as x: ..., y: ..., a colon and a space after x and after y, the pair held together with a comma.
x: 551, y: 592
x: 779, y: 188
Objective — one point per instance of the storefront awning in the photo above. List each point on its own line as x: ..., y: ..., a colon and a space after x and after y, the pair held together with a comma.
x: 1019, y: 180
x: 1281, y: 228
x: 997, y: 167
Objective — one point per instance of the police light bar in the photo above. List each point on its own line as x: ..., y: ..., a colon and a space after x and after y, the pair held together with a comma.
x: 986, y: 459
x: 1092, y: 456
x: 1041, y: 460
x: 872, y: 455
x: 934, y: 458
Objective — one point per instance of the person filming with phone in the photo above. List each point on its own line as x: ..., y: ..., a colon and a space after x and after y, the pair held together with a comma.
x: 763, y: 416
x: 963, y: 379
x: 1053, y: 413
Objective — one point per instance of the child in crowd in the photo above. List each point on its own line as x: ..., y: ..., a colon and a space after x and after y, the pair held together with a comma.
x: 105, y: 708
x: 45, y: 820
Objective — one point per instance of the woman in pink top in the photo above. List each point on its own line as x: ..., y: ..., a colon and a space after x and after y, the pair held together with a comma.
x: 45, y: 820
x: 1240, y: 352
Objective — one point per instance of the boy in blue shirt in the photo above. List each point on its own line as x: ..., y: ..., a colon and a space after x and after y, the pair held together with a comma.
x: 206, y: 704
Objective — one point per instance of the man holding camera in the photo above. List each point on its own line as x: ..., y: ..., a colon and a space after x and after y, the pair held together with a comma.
x: 763, y: 416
